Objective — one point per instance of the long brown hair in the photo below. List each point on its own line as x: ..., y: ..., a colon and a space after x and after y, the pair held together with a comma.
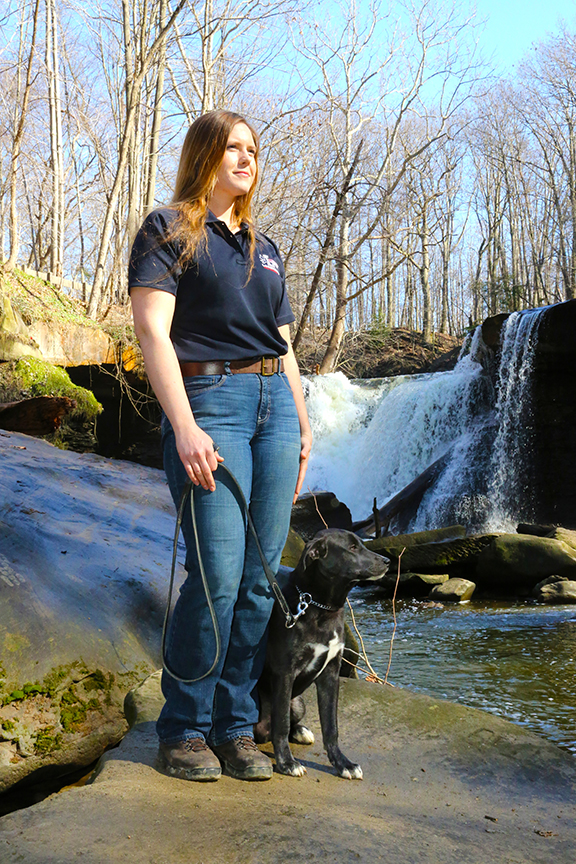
x: 202, y: 153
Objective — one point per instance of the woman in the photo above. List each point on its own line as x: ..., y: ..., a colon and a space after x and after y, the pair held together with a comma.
x: 212, y: 316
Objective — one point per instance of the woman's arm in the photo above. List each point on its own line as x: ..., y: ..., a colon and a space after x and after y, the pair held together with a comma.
x: 293, y: 375
x: 153, y: 311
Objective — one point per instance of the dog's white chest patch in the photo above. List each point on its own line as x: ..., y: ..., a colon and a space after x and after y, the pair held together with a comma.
x: 326, y: 652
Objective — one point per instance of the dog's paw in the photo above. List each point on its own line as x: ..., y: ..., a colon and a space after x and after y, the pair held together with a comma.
x: 352, y: 772
x: 291, y: 769
x: 302, y: 735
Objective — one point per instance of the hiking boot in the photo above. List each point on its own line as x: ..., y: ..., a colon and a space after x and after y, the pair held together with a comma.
x: 243, y: 760
x: 190, y: 759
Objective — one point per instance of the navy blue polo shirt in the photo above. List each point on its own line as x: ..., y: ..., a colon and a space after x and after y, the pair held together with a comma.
x: 220, y: 313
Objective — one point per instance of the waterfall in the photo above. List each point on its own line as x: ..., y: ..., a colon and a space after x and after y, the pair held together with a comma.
x: 373, y: 437
x: 510, y: 487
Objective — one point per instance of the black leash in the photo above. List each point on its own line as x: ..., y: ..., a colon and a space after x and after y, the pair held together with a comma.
x: 290, y: 618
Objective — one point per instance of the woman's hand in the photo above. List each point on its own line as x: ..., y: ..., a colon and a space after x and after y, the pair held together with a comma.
x: 305, y: 448
x: 196, y: 450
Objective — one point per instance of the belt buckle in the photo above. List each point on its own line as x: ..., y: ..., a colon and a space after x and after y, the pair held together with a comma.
x: 263, y: 366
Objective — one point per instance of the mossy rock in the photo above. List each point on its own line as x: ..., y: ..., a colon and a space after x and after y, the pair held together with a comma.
x: 31, y: 376
x: 74, y: 710
x: 519, y: 561
x: 435, y: 557
x: 418, y: 538
x: 292, y: 550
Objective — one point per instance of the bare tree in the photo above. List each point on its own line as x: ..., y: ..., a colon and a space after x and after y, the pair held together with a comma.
x: 357, y: 90
x: 26, y: 55
x: 134, y: 77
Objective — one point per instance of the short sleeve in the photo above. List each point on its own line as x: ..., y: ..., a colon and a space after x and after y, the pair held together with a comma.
x: 283, y: 313
x: 154, y: 259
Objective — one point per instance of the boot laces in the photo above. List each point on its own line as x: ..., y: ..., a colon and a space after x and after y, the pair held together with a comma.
x: 195, y: 745
x: 246, y: 743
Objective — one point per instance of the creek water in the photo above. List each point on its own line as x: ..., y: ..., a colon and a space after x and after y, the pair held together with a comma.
x: 372, y: 438
x: 513, y: 659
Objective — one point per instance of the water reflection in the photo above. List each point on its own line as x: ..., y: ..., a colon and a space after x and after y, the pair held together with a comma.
x: 516, y: 659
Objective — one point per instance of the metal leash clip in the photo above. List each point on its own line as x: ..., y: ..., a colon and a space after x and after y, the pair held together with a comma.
x: 304, y: 601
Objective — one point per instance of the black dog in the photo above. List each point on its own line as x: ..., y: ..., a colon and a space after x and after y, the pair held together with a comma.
x: 331, y: 564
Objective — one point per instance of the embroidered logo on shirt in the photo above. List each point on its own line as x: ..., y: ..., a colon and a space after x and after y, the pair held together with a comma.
x: 269, y: 264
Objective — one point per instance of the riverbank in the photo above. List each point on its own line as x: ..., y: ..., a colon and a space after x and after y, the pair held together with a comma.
x: 443, y: 783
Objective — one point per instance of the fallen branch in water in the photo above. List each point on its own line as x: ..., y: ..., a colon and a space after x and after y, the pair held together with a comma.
x: 371, y: 675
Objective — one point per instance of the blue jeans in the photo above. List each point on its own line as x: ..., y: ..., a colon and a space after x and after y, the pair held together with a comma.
x: 253, y: 420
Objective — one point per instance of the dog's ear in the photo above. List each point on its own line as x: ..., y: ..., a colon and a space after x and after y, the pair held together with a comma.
x: 316, y: 549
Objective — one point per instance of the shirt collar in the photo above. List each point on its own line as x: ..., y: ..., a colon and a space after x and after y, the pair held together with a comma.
x: 212, y: 219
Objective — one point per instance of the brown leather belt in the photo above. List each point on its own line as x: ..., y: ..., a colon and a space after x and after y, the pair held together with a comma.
x: 262, y: 366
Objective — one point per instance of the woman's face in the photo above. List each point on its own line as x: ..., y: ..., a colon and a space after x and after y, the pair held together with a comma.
x: 238, y: 167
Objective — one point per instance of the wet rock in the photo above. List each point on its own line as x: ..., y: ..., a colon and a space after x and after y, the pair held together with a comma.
x: 555, y: 590
x: 554, y: 417
x: 411, y: 584
x: 516, y: 562
x: 435, y: 557
x: 417, y: 538
x: 453, y: 591
x: 85, y: 548
x: 535, y: 530
x: 492, y: 329
x: 553, y: 532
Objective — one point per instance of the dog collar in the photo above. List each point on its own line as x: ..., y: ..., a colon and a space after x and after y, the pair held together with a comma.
x: 305, y: 600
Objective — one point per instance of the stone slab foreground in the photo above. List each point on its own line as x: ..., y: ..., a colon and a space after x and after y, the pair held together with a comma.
x: 444, y: 784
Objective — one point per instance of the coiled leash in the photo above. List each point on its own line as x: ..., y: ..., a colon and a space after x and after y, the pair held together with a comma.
x: 188, y: 491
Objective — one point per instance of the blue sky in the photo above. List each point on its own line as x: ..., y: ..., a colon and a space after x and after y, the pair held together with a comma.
x: 513, y: 25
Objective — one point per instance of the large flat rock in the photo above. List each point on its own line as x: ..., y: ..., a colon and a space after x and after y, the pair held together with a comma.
x: 443, y: 783
x: 85, y: 548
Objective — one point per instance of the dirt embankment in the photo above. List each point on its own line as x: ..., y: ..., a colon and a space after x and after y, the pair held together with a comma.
x: 366, y: 354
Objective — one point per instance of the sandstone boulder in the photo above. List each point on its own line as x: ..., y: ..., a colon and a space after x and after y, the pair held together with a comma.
x: 85, y: 548
x: 516, y: 562
x: 432, y: 557
x: 453, y: 591
x: 555, y: 590
x: 410, y: 584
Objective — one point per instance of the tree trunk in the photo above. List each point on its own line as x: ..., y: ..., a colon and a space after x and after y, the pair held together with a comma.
x: 330, y: 357
x: 340, y: 198
x: 56, y: 153
x: 133, y: 93
x: 17, y: 140
x: 425, y: 278
x: 157, y: 117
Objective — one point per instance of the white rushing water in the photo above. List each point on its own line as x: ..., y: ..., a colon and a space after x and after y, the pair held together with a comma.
x: 374, y: 437
x: 509, y: 485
